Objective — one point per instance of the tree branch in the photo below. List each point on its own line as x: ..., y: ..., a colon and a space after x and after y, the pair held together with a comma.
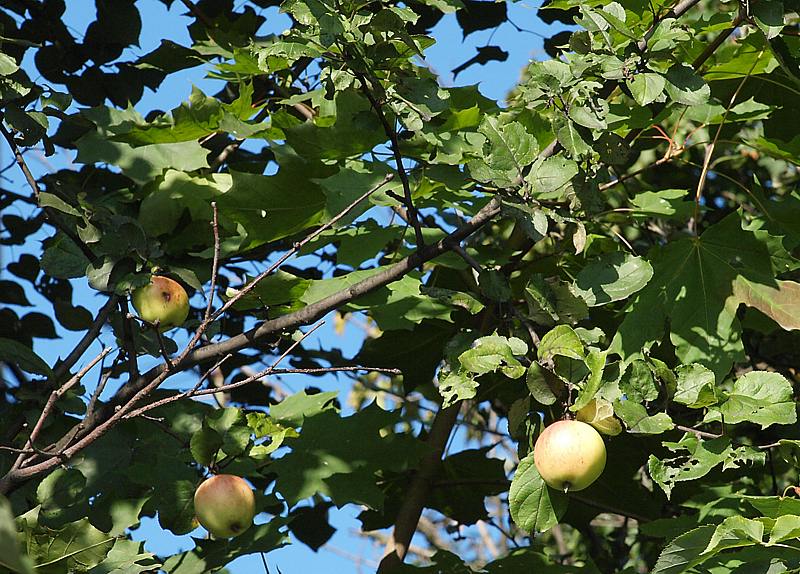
x: 391, y: 133
x: 90, y: 337
x: 411, y: 509
x: 91, y: 428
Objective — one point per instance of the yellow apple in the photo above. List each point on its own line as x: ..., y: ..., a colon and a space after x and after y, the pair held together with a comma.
x: 163, y: 302
x: 570, y: 455
x: 225, y: 505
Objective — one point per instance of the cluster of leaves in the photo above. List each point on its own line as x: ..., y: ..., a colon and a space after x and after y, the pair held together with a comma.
x: 632, y: 261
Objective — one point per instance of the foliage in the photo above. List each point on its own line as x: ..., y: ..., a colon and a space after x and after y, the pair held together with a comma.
x: 617, y: 241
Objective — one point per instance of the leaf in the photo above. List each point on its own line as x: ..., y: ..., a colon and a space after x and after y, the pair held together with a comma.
x: 531, y: 220
x: 16, y: 353
x: 703, y: 456
x: 684, y: 551
x: 339, y: 457
x: 212, y: 555
x: 646, y: 87
x: 780, y: 302
x: 692, y: 286
x: 456, y: 386
x: 541, y: 383
x: 126, y: 557
x: 488, y: 354
x: 551, y: 175
x: 695, y: 386
x: 175, y: 503
x: 485, y: 55
x: 292, y: 410
x: 560, y: 341
x: 534, y: 507
x: 596, y: 362
x: 11, y: 556
x: 615, y: 276
x: 684, y: 86
x: 637, y: 383
x: 637, y: 420
x: 600, y: 414
x: 758, y: 397
x: 768, y: 15
x: 734, y: 532
x: 509, y: 148
x: 274, y: 206
x: 786, y: 527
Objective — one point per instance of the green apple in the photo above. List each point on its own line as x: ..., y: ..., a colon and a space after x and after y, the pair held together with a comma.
x: 163, y: 302
x: 225, y: 505
x: 570, y: 455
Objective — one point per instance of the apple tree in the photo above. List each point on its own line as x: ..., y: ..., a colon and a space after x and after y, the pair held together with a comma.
x: 615, y: 241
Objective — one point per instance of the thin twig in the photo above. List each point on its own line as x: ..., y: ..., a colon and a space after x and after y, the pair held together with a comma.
x: 391, y: 133
x: 710, y: 149
x: 51, y: 214
x: 54, y: 396
x: 214, y: 264
x: 183, y: 395
x: 198, y: 13
x: 90, y: 337
x: 296, y: 247
x: 128, y: 342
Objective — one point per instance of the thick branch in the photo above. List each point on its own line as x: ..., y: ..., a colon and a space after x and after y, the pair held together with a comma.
x: 90, y: 428
x: 411, y: 509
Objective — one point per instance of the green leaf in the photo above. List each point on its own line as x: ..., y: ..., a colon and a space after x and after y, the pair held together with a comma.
x: 768, y: 15
x: 509, y: 148
x: 274, y: 206
x: 636, y: 419
x: 786, y: 527
x: 292, y: 410
x: 734, y: 532
x: 684, y: 551
x: 7, y: 65
x: 613, y: 277
x: 692, y: 286
x: 212, y: 555
x: 59, y: 494
x: 541, y: 383
x: 343, y: 464
x: 596, y: 362
x: 637, y: 383
x: 204, y: 444
x: 560, y: 341
x: 703, y: 456
x: 488, y: 354
x: 758, y: 397
x: 16, y: 353
x: 175, y: 503
x: 551, y: 175
x: 695, y: 386
x: 457, y: 386
x: 127, y: 557
x: 684, y: 86
x: 646, y: 87
x: 11, y: 556
x: 534, y: 507
x: 600, y: 414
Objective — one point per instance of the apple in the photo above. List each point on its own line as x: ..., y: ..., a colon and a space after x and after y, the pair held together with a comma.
x: 225, y: 505
x: 163, y: 302
x: 569, y: 455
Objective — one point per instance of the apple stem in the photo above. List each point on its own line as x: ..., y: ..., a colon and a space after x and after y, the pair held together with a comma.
x: 566, y: 487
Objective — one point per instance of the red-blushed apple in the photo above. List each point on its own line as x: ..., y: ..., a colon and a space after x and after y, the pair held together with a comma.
x: 569, y: 455
x: 225, y: 505
x: 163, y: 302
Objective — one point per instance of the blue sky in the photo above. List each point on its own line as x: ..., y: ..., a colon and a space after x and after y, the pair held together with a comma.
x: 494, y: 79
